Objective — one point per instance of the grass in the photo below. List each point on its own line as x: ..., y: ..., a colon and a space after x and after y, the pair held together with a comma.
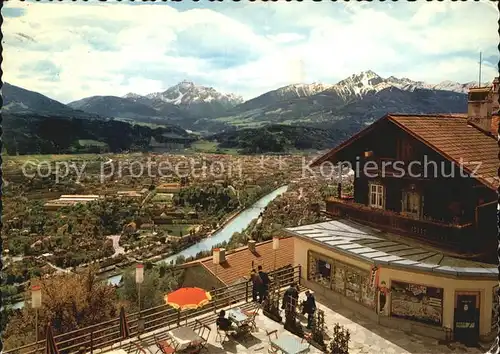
x: 90, y: 142
x: 210, y: 147
x: 177, y: 229
x: 162, y: 197
x: 62, y: 157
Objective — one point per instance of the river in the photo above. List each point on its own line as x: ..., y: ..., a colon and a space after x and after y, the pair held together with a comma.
x: 237, y: 224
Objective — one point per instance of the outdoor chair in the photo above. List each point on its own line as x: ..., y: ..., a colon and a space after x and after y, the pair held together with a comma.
x: 165, y: 346
x: 204, y: 333
x: 222, y: 334
x: 252, y: 314
x: 271, y: 349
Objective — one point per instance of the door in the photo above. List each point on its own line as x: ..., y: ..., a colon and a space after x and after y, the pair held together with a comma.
x: 466, y: 326
x: 412, y: 204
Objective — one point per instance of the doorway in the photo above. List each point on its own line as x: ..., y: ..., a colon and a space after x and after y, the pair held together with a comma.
x: 466, y: 323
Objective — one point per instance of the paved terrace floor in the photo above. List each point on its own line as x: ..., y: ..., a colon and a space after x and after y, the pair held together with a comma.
x: 366, y: 336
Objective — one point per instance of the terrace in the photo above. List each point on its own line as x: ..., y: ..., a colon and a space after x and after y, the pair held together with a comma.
x: 454, y: 234
x: 366, y: 336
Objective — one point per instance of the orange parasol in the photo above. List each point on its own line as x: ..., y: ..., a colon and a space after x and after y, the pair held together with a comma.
x: 188, y: 298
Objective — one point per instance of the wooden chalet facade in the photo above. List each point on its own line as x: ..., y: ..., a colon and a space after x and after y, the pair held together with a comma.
x: 430, y: 178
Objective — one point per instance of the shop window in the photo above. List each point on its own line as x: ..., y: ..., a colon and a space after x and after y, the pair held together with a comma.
x: 417, y: 302
x: 352, y: 282
x: 320, y: 270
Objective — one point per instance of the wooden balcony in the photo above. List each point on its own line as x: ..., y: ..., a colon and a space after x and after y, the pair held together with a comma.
x: 454, y: 236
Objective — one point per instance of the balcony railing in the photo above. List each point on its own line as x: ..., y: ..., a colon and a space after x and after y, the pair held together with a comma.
x: 457, y: 235
x: 105, y: 334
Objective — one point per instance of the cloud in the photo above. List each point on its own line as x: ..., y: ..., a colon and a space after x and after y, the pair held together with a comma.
x: 73, y: 50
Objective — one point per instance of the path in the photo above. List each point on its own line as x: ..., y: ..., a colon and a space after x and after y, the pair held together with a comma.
x: 58, y: 269
x: 116, y: 245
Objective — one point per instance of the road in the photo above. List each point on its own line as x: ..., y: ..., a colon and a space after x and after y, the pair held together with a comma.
x: 116, y: 245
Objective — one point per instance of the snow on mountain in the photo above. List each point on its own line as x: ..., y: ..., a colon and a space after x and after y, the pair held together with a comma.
x: 368, y: 82
x: 187, y: 93
x: 300, y: 90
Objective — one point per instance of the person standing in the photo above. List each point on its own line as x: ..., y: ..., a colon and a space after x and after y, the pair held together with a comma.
x: 310, y: 308
x: 290, y: 298
x: 256, y: 285
x: 264, y: 289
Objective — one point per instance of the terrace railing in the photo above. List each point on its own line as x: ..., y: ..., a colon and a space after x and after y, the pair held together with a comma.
x: 105, y: 334
x: 456, y: 235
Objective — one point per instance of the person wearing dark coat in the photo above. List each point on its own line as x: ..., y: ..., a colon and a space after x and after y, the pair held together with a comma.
x: 264, y: 289
x: 310, y: 308
x: 290, y: 298
x: 256, y: 285
x: 223, y: 323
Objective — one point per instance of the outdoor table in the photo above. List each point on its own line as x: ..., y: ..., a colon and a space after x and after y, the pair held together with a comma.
x: 237, y: 316
x: 185, y: 337
x: 290, y: 345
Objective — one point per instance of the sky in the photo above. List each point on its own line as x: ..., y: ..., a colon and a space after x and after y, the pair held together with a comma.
x: 72, y: 50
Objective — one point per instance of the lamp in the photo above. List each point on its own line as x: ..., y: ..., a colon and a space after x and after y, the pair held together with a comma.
x: 139, y: 278
x: 36, y: 303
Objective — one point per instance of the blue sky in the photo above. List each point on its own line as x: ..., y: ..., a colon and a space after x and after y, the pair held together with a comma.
x: 71, y: 50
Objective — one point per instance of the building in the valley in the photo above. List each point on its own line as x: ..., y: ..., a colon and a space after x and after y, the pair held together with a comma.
x: 70, y: 200
x: 415, y: 245
x: 130, y: 194
x: 169, y: 188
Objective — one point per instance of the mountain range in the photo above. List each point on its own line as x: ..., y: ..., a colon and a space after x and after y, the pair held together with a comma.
x: 345, y: 106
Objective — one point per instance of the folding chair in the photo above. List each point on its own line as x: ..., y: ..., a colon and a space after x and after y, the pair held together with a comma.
x: 165, y: 346
x: 204, y: 333
x: 252, y: 314
x: 221, y: 335
x: 271, y: 349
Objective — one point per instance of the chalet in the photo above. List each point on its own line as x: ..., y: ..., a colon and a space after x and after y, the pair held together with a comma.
x: 414, y: 246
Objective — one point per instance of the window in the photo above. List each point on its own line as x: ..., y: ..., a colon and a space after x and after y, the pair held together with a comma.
x: 417, y: 302
x: 344, y: 279
x: 320, y: 270
x: 377, y: 196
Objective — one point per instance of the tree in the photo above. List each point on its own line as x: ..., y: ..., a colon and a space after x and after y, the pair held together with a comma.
x: 153, y: 288
x: 69, y: 301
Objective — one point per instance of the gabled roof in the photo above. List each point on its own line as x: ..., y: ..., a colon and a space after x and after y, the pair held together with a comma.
x: 450, y: 136
x: 239, y: 262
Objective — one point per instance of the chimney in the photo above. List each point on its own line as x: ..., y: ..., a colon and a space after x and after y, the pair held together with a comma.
x: 480, y: 107
x: 495, y: 95
x: 251, y: 246
x: 219, y: 255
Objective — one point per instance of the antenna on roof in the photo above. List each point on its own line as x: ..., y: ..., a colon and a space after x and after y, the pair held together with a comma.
x: 480, y: 63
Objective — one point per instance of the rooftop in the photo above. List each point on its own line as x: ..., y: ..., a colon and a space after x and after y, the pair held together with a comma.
x: 241, y: 261
x: 374, y: 246
x: 451, y: 136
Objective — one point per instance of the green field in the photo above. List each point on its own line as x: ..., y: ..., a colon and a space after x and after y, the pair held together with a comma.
x: 210, y: 147
x: 177, y: 229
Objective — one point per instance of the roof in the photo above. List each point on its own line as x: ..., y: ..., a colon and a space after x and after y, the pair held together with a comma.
x: 370, y: 245
x: 450, y: 136
x: 239, y: 262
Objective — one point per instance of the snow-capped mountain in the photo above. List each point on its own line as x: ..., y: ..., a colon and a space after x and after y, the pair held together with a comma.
x: 284, y: 93
x: 368, y: 82
x: 187, y: 93
x: 199, y: 101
